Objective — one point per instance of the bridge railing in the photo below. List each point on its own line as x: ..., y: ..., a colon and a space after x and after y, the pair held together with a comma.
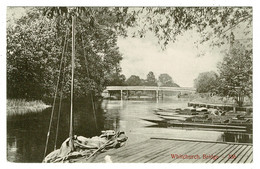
x: 152, y: 88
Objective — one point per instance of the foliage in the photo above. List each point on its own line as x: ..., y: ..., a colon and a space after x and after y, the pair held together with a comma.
x: 212, y: 23
x: 115, y: 79
x: 165, y: 22
x: 206, y: 82
x: 35, y: 44
x: 32, y: 48
x: 134, y: 80
x: 165, y: 80
x: 236, y: 71
x: 150, y: 79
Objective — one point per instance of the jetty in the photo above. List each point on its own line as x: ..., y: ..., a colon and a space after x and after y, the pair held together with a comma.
x: 167, y: 150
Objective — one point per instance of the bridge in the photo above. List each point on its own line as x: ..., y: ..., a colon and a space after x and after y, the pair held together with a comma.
x: 149, y: 88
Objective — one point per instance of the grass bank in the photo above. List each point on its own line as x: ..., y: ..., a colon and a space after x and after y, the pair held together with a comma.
x: 205, y: 98
x: 21, y: 106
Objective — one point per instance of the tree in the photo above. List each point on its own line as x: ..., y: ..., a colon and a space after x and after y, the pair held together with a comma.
x: 236, y: 72
x: 134, y: 80
x: 35, y: 44
x: 165, y: 80
x: 150, y: 79
x: 115, y: 79
x: 206, y: 82
x: 213, y: 23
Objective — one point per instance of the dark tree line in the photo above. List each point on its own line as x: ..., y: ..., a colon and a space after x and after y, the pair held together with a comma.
x: 164, y: 80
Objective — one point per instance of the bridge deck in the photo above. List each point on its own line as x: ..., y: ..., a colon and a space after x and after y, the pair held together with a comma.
x: 150, y: 88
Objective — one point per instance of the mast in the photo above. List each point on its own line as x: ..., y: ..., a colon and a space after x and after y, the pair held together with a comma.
x: 71, y: 143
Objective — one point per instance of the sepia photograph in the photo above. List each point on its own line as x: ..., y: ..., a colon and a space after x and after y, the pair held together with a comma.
x: 129, y: 84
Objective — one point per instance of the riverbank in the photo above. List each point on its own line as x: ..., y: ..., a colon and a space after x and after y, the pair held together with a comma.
x: 205, y: 98
x: 21, y: 106
x: 217, y: 102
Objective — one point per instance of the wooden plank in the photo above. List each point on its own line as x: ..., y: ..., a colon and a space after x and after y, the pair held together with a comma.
x: 220, y: 152
x: 245, y: 157
x: 138, y: 147
x: 200, y: 147
x: 135, y: 156
x: 166, y: 155
x: 225, y: 154
x: 242, y: 154
x: 184, y: 150
x: 100, y: 156
x: 210, y: 150
x: 239, y: 153
x: 156, y: 154
x: 227, y: 159
x: 250, y: 158
x: 146, y: 146
x: 126, y: 149
x: 202, y: 141
x: 123, y: 154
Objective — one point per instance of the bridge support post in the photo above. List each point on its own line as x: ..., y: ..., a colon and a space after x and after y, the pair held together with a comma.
x: 157, y: 94
x: 121, y: 94
x: 108, y: 95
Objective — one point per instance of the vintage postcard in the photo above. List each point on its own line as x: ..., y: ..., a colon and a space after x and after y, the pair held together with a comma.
x: 129, y: 84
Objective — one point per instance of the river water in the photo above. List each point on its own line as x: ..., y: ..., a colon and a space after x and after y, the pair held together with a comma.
x: 26, y: 134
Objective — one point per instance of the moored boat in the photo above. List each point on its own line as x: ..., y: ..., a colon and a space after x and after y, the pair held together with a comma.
x: 181, y: 118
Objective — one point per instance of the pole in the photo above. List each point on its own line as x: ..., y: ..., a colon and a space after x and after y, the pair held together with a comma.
x: 71, y: 143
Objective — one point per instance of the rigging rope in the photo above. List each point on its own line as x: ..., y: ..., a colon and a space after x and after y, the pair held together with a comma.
x: 91, y: 95
x: 55, y: 96
x: 61, y: 94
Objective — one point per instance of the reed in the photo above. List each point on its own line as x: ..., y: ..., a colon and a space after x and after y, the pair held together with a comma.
x: 22, y: 106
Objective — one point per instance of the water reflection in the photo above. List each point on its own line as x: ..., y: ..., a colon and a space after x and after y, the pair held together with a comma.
x: 26, y: 133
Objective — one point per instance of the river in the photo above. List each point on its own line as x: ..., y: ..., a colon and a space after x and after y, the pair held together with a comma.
x: 26, y: 134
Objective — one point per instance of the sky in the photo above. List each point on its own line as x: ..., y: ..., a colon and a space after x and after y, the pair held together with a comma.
x: 180, y: 59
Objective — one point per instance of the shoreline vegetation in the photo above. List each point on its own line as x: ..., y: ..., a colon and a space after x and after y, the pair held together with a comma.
x: 22, y: 106
x: 204, y: 98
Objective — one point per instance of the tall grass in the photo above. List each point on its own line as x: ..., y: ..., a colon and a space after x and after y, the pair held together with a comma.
x: 21, y: 106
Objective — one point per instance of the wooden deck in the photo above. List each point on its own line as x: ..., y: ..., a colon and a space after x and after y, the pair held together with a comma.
x: 159, y: 150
